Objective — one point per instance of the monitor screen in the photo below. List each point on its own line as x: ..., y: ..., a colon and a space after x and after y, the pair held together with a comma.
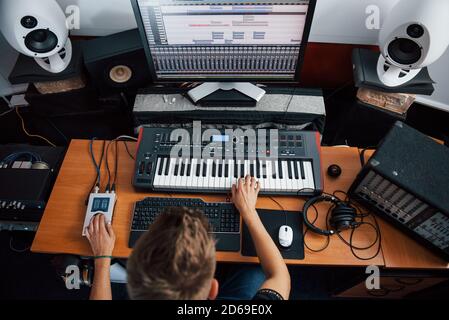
x: 200, y: 40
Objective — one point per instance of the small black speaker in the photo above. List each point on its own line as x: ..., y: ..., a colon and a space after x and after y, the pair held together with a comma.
x: 117, y: 63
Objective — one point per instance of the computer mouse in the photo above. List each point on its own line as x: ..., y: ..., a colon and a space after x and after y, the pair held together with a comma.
x: 285, y: 236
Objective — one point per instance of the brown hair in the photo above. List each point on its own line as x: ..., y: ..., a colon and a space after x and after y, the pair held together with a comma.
x: 174, y: 260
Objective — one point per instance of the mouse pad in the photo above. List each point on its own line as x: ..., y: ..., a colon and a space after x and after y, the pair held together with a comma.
x: 273, y: 220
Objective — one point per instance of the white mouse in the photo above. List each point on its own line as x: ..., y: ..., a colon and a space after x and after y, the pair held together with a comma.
x: 285, y: 236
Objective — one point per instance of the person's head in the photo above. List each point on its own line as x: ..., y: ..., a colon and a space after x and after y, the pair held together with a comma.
x: 175, y: 259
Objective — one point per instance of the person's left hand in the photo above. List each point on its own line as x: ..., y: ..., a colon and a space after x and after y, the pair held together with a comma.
x: 101, y: 236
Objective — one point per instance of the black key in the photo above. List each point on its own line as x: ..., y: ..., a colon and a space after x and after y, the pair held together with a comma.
x: 264, y: 169
x: 226, y: 173
x: 204, y: 168
x: 214, y: 169
x: 235, y: 169
x: 167, y: 167
x: 242, y: 170
x: 175, y: 173
x: 295, y: 169
x: 273, y: 166
x: 301, y: 166
x: 198, y: 168
x: 251, y: 169
x: 161, y: 164
x: 183, y: 168
x: 189, y: 167
x: 289, y: 169
x: 258, y: 168
x: 281, y: 174
x: 220, y: 169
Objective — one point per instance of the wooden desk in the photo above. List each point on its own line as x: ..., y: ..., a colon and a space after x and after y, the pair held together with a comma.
x: 60, y: 228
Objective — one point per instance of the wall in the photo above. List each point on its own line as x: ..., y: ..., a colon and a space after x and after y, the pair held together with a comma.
x: 335, y: 21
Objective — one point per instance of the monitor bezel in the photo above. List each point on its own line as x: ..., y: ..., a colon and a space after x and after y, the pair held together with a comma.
x: 157, y: 80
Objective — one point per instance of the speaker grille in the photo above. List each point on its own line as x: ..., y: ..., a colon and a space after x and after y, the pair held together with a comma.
x: 404, y: 51
x: 41, y: 41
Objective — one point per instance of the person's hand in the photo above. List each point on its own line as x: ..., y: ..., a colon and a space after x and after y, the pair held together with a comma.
x: 101, y: 236
x: 244, y: 196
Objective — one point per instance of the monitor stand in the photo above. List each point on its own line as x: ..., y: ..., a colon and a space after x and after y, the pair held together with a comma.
x: 206, y: 89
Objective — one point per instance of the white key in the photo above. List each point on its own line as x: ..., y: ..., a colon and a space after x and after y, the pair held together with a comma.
x: 162, y: 179
x: 209, y: 181
x: 261, y: 179
x: 226, y: 181
x: 201, y: 179
x: 171, y: 176
x: 285, y: 181
x: 156, y: 176
x: 239, y: 174
x: 277, y: 180
x: 294, y: 181
x: 246, y: 168
x: 309, y: 174
x: 193, y: 176
x: 178, y: 175
x: 216, y: 179
x: 221, y: 179
x: 300, y: 180
x: 231, y: 178
x: 270, y: 183
x: 183, y: 179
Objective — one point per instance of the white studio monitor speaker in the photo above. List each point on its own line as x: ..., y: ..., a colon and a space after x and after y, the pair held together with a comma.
x: 413, y: 36
x: 37, y: 29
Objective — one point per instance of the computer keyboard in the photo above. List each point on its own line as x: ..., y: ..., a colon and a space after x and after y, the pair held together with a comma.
x: 223, y: 218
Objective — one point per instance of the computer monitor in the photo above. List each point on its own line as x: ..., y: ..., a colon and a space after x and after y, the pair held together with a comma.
x: 224, y: 41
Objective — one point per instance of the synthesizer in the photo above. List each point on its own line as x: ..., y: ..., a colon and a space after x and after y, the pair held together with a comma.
x: 283, y: 162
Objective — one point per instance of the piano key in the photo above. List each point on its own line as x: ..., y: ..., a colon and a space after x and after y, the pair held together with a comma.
x: 161, y: 162
x: 236, y: 169
x: 220, y: 168
x: 295, y: 169
x: 202, y: 174
x: 309, y: 174
x: 157, y: 175
x: 258, y: 168
x: 195, y: 173
x: 189, y: 167
x: 294, y: 181
x: 285, y: 181
x: 301, y: 166
x: 277, y: 180
x: 226, y: 169
x: 242, y: 169
x: 198, y: 168
x: 251, y: 169
x: 183, y: 180
x: 209, y: 179
x: 170, y: 182
x: 175, y: 173
x: 289, y: 170
x: 183, y: 167
x: 280, y: 170
x: 214, y: 169
x: 167, y: 167
x: 178, y: 174
x: 216, y: 178
x: 300, y: 180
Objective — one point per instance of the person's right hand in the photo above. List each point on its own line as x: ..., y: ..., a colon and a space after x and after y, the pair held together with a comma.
x: 101, y: 236
x: 244, y: 196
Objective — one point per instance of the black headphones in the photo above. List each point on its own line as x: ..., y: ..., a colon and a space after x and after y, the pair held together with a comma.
x: 343, y: 215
